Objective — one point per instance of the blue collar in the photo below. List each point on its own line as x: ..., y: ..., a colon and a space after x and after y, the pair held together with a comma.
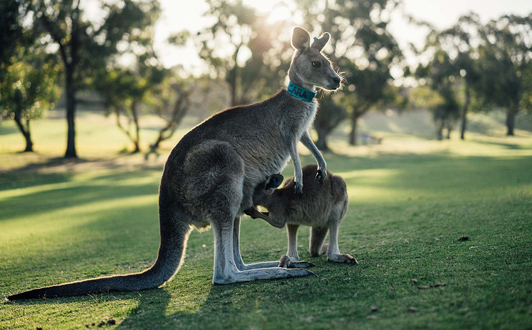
x: 300, y: 92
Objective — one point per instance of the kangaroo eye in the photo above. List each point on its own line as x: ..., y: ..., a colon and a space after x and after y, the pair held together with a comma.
x: 316, y: 64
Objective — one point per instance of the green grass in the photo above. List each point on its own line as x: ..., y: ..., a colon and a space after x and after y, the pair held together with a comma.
x: 410, y: 201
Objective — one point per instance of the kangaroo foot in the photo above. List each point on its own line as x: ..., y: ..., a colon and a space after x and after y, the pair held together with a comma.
x: 343, y: 258
x: 286, y: 263
x: 323, y: 249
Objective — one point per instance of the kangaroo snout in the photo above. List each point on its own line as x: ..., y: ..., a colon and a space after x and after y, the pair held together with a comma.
x: 336, y: 80
x: 333, y: 83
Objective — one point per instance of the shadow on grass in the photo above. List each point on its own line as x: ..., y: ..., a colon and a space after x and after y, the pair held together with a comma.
x: 49, y: 200
x: 507, y: 145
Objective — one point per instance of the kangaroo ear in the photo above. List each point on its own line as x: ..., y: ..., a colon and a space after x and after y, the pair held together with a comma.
x: 320, y: 42
x: 300, y: 39
x: 274, y: 181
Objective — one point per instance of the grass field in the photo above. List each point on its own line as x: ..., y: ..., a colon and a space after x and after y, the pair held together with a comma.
x: 411, y: 200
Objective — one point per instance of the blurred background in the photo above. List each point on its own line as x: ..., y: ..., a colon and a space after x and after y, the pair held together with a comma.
x: 95, y: 78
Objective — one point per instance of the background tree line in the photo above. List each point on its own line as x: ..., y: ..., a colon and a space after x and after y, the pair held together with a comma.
x: 52, y: 45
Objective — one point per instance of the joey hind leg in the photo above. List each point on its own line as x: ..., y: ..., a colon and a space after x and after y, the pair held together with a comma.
x: 317, y: 237
x: 291, y: 259
x: 333, y: 252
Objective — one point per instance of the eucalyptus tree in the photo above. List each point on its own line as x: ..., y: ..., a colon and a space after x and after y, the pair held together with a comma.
x: 364, y: 49
x: 243, y: 48
x: 124, y: 92
x: 28, y: 88
x: 126, y: 85
x: 12, y: 32
x: 462, y: 42
x: 28, y: 74
x: 84, y: 42
x: 440, y: 75
x: 171, y: 101
x: 505, y: 60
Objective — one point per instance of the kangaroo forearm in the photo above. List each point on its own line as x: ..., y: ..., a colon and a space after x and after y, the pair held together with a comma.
x: 298, y: 173
x: 309, y: 144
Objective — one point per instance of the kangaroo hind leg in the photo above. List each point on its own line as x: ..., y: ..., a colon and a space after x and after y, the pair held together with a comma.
x: 333, y: 252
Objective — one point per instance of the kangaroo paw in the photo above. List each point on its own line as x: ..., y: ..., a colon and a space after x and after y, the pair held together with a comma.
x: 286, y: 263
x: 343, y: 258
x: 323, y: 249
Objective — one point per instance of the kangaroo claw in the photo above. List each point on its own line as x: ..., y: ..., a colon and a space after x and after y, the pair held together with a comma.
x: 298, y: 188
x: 320, y: 175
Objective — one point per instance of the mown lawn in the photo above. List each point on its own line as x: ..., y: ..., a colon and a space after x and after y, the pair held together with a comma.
x: 411, y: 201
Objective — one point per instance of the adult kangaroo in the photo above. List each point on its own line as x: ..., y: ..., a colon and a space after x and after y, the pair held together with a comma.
x: 210, y: 176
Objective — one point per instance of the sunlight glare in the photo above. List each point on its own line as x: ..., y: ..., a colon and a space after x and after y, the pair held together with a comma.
x: 276, y: 10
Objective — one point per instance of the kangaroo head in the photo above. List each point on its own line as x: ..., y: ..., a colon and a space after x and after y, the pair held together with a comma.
x: 310, y: 68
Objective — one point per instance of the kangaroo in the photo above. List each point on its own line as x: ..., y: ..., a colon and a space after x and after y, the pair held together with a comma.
x: 322, y: 206
x: 210, y: 176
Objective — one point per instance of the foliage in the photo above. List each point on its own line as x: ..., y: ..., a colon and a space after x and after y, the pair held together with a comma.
x: 505, y: 60
x: 243, y: 48
x: 461, y: 41
x: 12, y: 33
x: 124, y: 90
x: 28, y: 88
x: 84, y: 46
x: 331, y: 113
x: 440, y: 74
x: 171, y: 102
x: 364, y: 49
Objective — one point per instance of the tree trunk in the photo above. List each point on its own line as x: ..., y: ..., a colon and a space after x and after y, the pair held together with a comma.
x: 25, y: 131
x: 27, y: 136
x: 136, y: 141
x: 439, y: 129
x: 70, y: 112
x: 322, y: 139
x: 510, y: 119
x: 463, y: 124
x: 232, y: 77
x: 179, y: 111
x: 353, y: 133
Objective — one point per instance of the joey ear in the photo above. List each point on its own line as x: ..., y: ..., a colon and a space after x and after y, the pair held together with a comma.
x: 320, y: 42
x: 274, y: 181
x: 300, y: 39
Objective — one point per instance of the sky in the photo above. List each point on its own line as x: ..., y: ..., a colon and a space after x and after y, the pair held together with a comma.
x: 441, y: 13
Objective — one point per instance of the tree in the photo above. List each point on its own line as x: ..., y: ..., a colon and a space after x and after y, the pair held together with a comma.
x: 440, y: 75
x: 28, y: 74
x: 462, y: 41
x: 173, y: 100
x: 12, y: 32
x: 363, y: 47
x: 125, y: 88
x: 331, y: 114
x: 84, y: 45
x: 28, y: 89
x: 505, y: 60
x: 242, y: 48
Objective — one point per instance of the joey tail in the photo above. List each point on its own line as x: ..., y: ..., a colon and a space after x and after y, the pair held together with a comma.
x: 174, y: 235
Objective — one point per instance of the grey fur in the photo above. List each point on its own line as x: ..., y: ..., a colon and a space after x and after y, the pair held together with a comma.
x: 322, y: 206
x: 210, y: 176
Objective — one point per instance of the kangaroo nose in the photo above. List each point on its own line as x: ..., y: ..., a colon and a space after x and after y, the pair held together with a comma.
x: 337, y: 80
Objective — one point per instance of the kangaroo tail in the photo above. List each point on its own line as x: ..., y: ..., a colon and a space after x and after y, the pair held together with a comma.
x: 174, y: 235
